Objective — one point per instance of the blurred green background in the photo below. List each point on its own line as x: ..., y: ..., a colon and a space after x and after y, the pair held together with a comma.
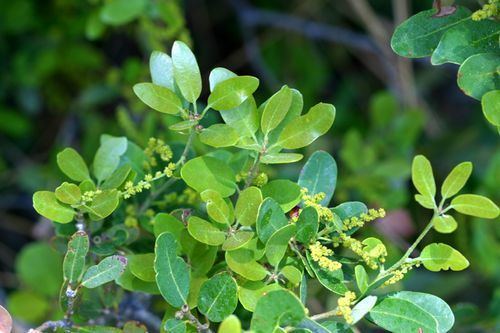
x: 66, y: 74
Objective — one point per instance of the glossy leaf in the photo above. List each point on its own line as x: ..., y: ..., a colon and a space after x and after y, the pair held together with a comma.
x: 456, y: 180
x: 408, y: 311
x: 424, y: 201
x: 466, y: 39
x: 444, y: 224
x: 331, y: 280
x: 175, y: 326
x: 479, y: 74
x: 162, y: 70
x: 230, y: 93
x: 475, y: 205
x: 361, y: 278
x: 230, y: 325
x: 319, y: 174
x: 217, y: 75
x: 247, y: 206
x: 242, y: 262
x: 217, y: 208
x: 307, y: 225
x: 350, y: 209
x: 118, y: 178
x: 244, y: 119
x: 237, y: 240
x: 68, y: 193
x: 186, y: 71
x: 46, y: 204
x: 281, y: 158
x: 277, y: 244
x: 219, y: 135
x: 303, y: 130
x: 218, y: 297
x: 105, y: 203
x: 439, y: 256
x: 284, y: 192
x: 142, y: 266
x: 172, y: 273
x: 251, y: 291
x: 73, y: 165
x: 158, y: 98
x: 107, y: 157
x: 109, y: 269
x: 422, y: 177
x: 74, y: 261
x: 275, y: 309
x: 217, y: 175
x: 419, y: 35
x: 292, y: 274
x: 491, y: 106
x: 204, y: 232
x: 362, y: 308
x: 163, y: 222
x: 270, y: 219
x: 276, y: 109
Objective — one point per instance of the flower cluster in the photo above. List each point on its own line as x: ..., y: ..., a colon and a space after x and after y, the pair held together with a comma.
x: 261, y: 179
x: 320, y: 254
x: 356, y: 221
x: 88, y: 196
x: 344, y: 306
x: 187, y: 197
x: 157, y: 147
x: 399, y: 274
x: 324, y: 213
x: 372, y: 256
x: 132, y: 189
x: 490, y: 9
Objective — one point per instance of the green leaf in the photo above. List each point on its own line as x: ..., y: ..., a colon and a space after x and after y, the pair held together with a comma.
x: 218, y: 297
x: 105, y: 203
x: 439, y: 256
x: 109, y: 269
x: 219, y: 135
x: 204, y: 232
x: 73, y: 165
x: 307, y: 225
x: 96, y: 329
x: 422, y: 177
x: 242, y: 262
x: 118, y: 177
x: 425, y: 202
x: 68, y: 193
x: 238, y: 239
x: 172, y: 273
x: 163, y: 222
x: 119, y: 12
x: 303, y: 130
x: 408, y: 311
x: 217, y: 208
x: 130, y: 282
x: 230, y: 93
x: 134, y: 327
x: 107, y: 157
x: 270, y: 219
x: 276, y: 109
x: 244, y: 119
x: 349, y: 209
x: 39, y: 268
x: 281, y: 158
x: 277, y: 244
x: 361, y: 278
x: 217, y: 75
x: 284, y: 192
x: 27, y: 306
x: 444, y: 224
x: 331, y: 280
x: 475, y: 205
x: 292, y: 274
x: 183, y: 125
x: 319, y: 174
x: 294, y: 111
x: 158, y: 98
x: 142, y: 266
x: 194, y: 290
x: 491, y: 106
x: 456, y: 180
x: 479, y: 74
x: 278, y: 308
x: 217, y: 175
x: 230, y: 325
x: 251, y: 291
x: 466, y: 39
x: 362, y: 308
x: 186, y: 71
x: 419, y: 35
x: 162, y: 70
x: 175, y: 326
x: 46, y: 204
x: 247, y: 206
x: 74, y: 261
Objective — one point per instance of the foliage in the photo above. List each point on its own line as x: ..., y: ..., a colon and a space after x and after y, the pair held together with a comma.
x: 454, y: 34
x: 203, y: 228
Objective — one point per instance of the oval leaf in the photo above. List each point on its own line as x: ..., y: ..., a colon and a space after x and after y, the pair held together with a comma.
x: 230, y: 93
x: 73, y: 165
x: 109, y: 269
x: 270, y: 219
x: 247, y: 206
x: 74, y: 260
x: 479, y: 74
x: 277, y: 244
x: 186, y: 71
x: 158, y: 98
x: 439, y: 256
x: 319, y: 174
x: 46, y: 204
x: 491, y: 106
x: 276, y: 109
x: 218, y: 297
x: 217, y: 175
x: 219, y: 135
x: 204, y: 232
x: 422, y: 177
x: 475, y: 205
